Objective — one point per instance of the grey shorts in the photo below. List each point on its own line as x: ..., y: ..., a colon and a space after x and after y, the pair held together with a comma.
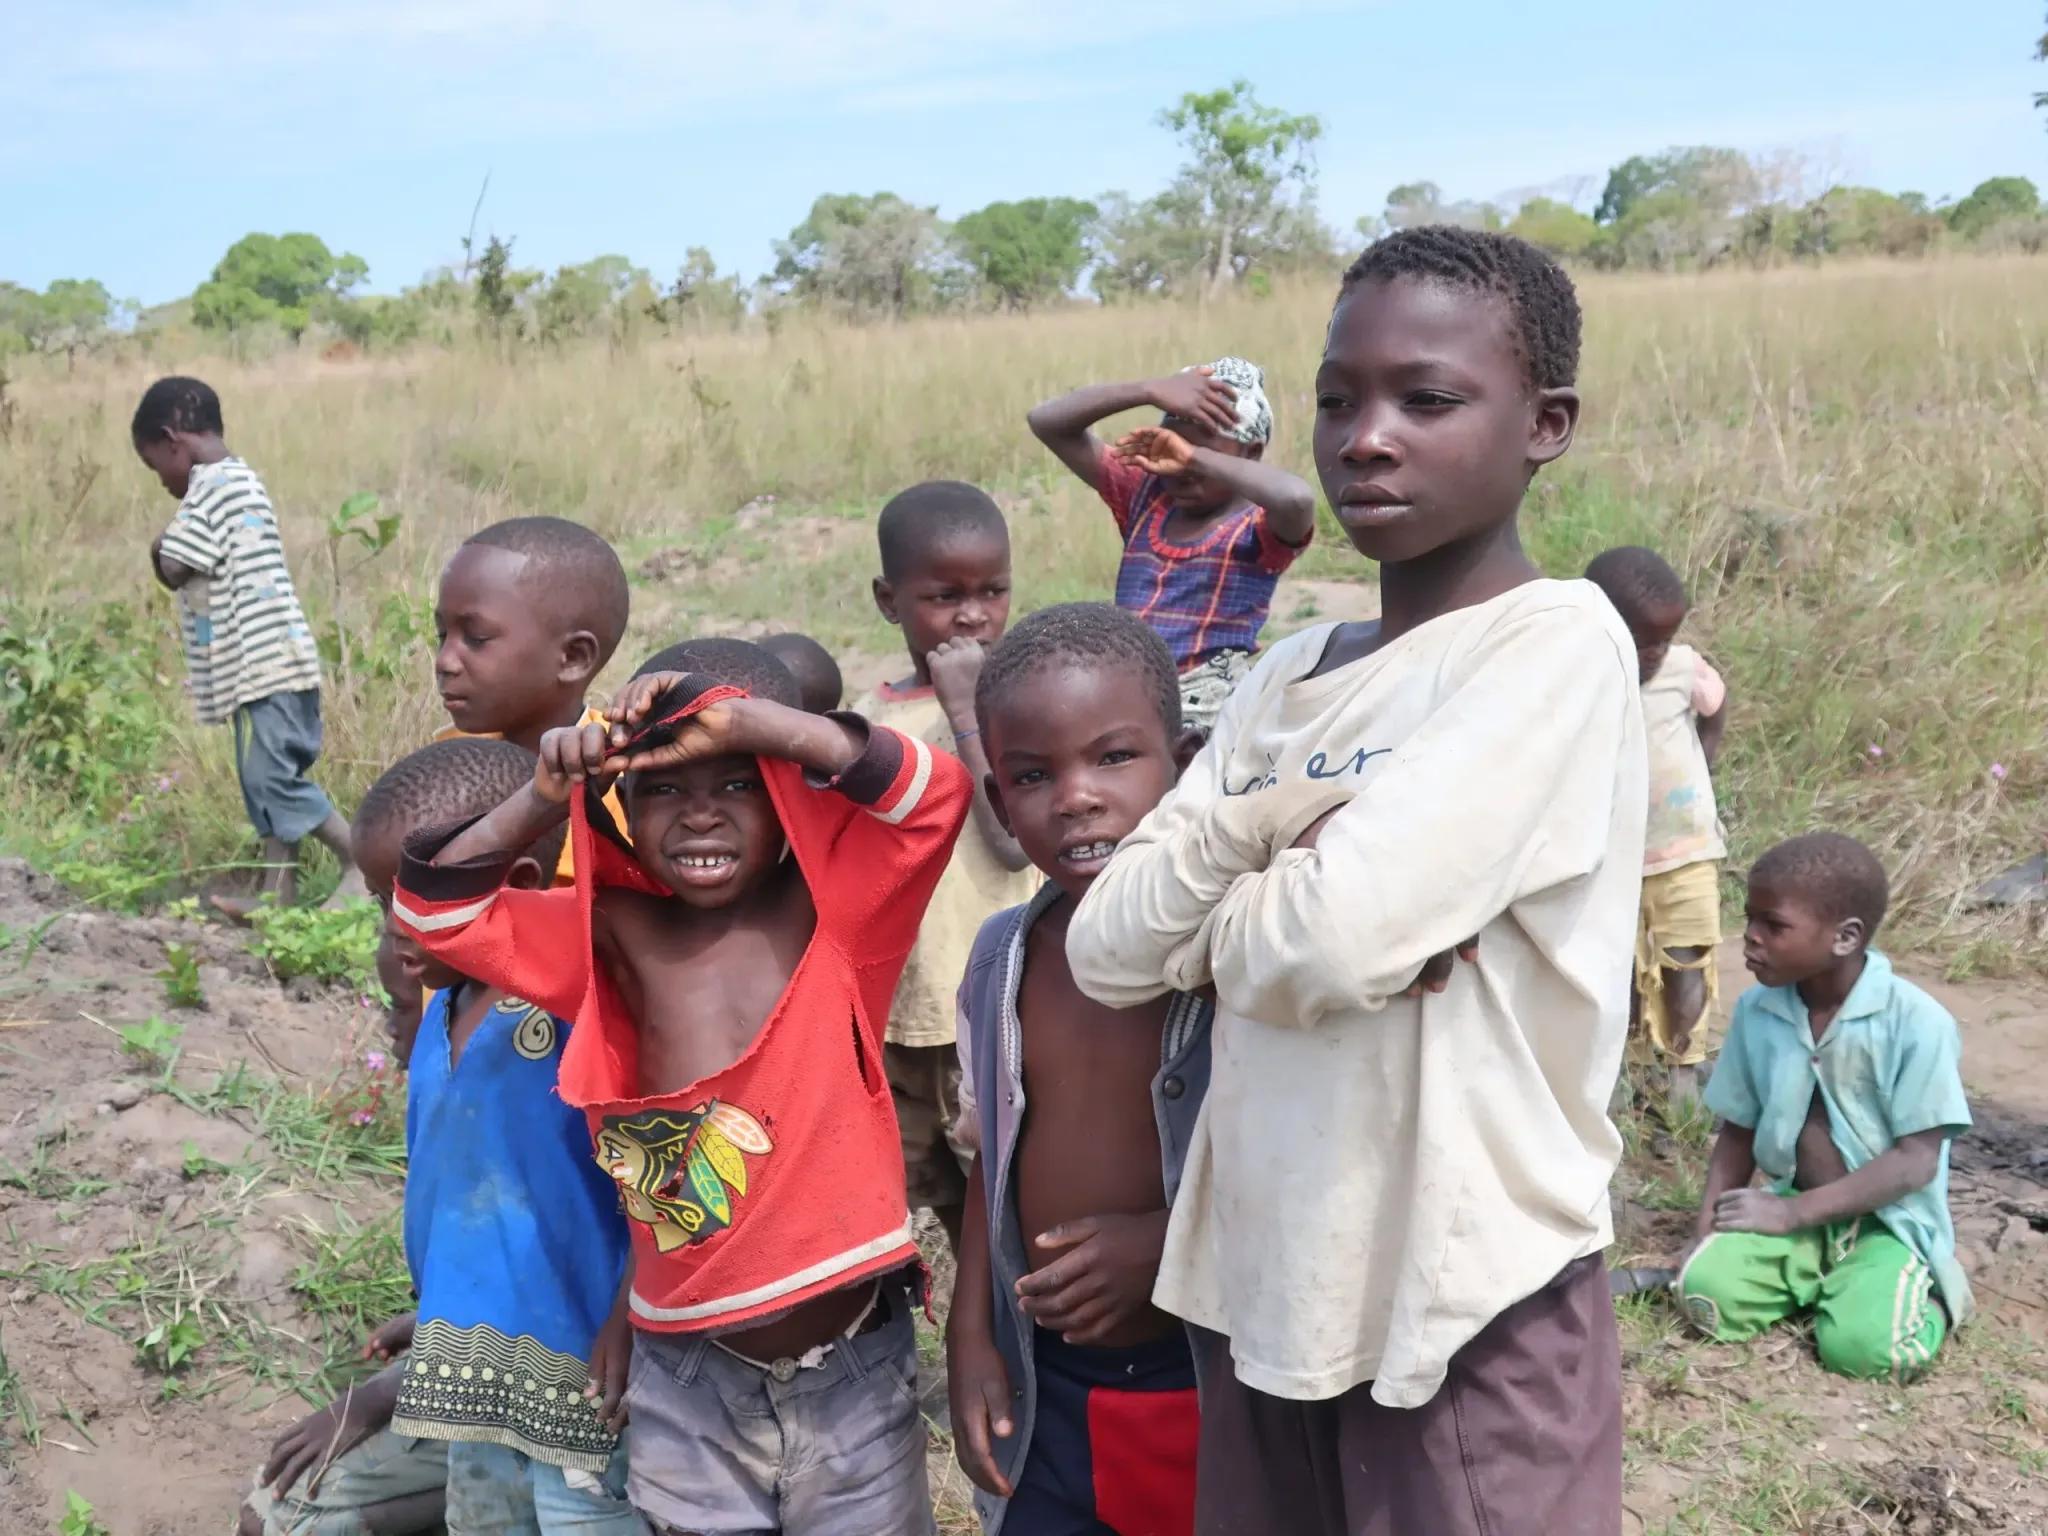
x: 726, y: 1447
x: 276, y: 742
x: 1524, y: 1435
x: 384, y: 1467
x: 1205, y: 688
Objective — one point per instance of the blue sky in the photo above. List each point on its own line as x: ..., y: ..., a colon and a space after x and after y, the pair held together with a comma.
x: 139, y: 140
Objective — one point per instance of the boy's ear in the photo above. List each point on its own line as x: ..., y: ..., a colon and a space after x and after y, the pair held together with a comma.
x: 580, y: 653
x: 1191, y: 740
x: 1851, y: 934
x: 526, y: 874
x: 1551, y: 428
x: 994, y: 791
x: 885, y: 600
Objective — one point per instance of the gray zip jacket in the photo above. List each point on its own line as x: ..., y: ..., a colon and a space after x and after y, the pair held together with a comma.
x: 991, y: 1049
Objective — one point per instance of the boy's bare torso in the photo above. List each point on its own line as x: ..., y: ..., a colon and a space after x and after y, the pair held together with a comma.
x: 1089, y: 1145
x: 1818, y: 1160
x: 699, y: 987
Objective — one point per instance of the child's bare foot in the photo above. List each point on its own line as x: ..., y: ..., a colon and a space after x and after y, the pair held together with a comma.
x: 236, y: 909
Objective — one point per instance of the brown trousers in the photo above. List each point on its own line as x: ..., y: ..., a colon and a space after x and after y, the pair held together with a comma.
x: 1523, y: 1437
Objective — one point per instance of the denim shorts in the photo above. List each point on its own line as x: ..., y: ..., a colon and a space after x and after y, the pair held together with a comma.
x: 728, y: 1446
x: 276, y: 742
x: 502, y: 1492
x: 384, y: 1467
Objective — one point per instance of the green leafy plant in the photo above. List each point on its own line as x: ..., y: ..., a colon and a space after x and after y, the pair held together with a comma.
x: 154, y: 1039
x: 358, y: 523
x: 338, y: 944
x: 198, y: 1164
x: 180, y: 976
x: 171, y: 1343
x: 79, y: 1518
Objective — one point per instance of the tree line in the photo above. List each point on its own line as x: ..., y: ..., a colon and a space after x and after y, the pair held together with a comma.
x: 1240, y: 213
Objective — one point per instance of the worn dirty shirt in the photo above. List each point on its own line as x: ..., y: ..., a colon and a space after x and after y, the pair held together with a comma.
x: 514, y: 1239
x: 1375, y: 1178
x: 1888, y: 1067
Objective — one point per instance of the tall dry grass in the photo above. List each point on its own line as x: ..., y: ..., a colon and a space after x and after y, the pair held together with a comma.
x: 1849, y: 464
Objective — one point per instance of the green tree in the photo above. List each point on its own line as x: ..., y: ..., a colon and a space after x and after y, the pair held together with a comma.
x: 1556, y: 227
x: 1863, y: 220
x: 1026, y: 252
x: 1249, y: 185
x: 499, y: 288
x: 874, y: 254
x: 282, y: 280
x: 1994, y: 202
x: 581, y: 298
x: 1720, y: 181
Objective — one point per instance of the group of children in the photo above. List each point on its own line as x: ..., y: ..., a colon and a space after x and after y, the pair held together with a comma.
x: 1253, y: 1045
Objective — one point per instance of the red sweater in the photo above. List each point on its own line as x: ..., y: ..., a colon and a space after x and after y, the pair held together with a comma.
x: 779, y: 1178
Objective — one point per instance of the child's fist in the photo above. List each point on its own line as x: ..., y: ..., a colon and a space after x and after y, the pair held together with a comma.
x: 956, y: 667
x: 569, y: 754
x: 1156, y: 451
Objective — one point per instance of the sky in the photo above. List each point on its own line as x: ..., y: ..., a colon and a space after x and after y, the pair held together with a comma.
x: 139, y: 140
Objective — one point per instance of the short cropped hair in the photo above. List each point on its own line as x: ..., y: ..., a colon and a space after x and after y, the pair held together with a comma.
x: 1637, y: 581
x: 817, y: 674
x: 574, y: 570
x: 1094, y: 634
x: 1541, y: 301
x: 1837, y: 874
x: 915, y: 522
x: 736, y: 663
x: 176, y: 404
x: 450, y: 781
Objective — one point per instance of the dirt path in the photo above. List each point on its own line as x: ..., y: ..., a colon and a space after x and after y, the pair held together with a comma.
x: 229, y: 1193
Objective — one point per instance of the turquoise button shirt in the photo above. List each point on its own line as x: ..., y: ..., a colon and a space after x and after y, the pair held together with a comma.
x: 1888, y: 1067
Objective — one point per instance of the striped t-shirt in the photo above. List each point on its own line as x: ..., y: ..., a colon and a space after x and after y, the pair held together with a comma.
x: 246, y: 636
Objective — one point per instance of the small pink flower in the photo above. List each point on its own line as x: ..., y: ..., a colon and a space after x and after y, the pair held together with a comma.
x: 375, y: 1061
x: 361, y: 1117
x: 1875, y: 750
x: 166, y: 782
x: 1998, y: 772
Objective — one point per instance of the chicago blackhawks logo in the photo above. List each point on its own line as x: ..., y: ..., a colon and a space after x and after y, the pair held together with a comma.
x: 679, y: 1170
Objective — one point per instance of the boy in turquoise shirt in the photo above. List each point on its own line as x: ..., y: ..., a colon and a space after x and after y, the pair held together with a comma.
x: 1842, y: 1082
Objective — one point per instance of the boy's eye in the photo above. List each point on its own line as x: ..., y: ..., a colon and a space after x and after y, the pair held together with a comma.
x: 656, y: 788
x: 1117, y: 755
x: 1328, y: 402
x: 741, y: 786
x: 1431, y: 399
x: 1027, y: 776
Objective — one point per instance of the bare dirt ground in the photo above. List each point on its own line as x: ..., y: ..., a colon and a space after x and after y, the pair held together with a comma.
x: 214, y: 1202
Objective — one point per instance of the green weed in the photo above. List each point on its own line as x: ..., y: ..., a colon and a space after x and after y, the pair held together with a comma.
x: 169, y: 1344
x: 180, y: 976
x: 155, y: 1040
x: 79, y: 1518
x: 338, y: 945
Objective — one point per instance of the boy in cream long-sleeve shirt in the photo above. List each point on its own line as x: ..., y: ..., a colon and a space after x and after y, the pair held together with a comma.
x: 1387, y: 1238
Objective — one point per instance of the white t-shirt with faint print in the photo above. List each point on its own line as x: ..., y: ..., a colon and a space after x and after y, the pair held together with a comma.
x: 1685, y: 825
x: 1373, y: 1178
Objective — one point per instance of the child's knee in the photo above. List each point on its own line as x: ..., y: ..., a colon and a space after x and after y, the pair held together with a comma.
x: 1716, y: 1290
x: 1865, y: 1352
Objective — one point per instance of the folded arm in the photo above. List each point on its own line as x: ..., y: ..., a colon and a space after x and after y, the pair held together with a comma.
x: 1507, y: 790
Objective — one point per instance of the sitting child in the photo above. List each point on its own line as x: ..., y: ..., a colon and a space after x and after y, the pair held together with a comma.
x: 250, y: 654
x: 1842, y: 1082
x: 1073, y: 1397
x: 728, y: 974
x: 513, y: 1238
x: 1685, y: 708
x: 1207, y: 526
x: 945, y: 582
x: 816, y: 673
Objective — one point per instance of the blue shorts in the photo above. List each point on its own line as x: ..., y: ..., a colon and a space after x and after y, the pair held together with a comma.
x: 276, y: 742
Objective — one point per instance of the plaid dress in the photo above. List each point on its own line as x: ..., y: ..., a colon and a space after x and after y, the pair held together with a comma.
x: 1201, y: 598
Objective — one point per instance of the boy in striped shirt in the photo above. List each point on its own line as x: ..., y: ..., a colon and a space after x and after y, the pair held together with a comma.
x: 249, y: 649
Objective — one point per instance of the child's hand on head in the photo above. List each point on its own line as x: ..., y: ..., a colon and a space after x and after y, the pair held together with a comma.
x: 570, y: 754
x: 1200, y: 397
x: 715, y: 729
x: 956, y: 667
x: 1157, y: 451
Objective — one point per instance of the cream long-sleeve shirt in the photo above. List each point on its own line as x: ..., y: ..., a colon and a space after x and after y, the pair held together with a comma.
x: 1374, y: 1179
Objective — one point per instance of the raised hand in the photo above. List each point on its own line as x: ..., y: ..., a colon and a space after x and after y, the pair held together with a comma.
x: 1156, y: 450
x: 1197, y: 396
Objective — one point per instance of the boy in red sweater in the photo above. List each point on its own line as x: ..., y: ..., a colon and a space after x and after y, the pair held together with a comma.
x: 729, y: 974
